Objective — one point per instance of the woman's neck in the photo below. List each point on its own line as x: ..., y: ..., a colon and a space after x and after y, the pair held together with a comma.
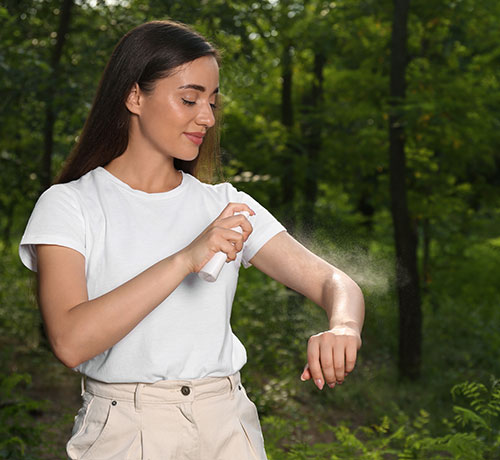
x: 151, y: 175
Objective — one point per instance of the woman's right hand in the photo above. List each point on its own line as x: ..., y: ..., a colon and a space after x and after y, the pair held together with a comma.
x: 218, y: 236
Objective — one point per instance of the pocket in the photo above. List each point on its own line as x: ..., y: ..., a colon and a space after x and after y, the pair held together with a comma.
x: 249, y: 421
x: 72, y: 446
x: 92, y: 423
x: 82, y: 414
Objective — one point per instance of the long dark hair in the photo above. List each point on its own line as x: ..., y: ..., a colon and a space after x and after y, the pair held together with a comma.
x: 144, y: 55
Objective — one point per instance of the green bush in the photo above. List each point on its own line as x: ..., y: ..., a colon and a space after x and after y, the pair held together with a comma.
x: 472, y: 434
x: 20, y: 435
x: 19, y: 315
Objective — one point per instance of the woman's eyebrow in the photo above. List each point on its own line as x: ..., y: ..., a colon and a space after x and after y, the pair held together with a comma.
x: 197, y: 88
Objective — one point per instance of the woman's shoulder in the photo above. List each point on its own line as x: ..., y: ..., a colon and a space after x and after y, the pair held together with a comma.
x: 59, y: 192
x: 222, y: 186
x: 73, y: 194
x: 220, y: 189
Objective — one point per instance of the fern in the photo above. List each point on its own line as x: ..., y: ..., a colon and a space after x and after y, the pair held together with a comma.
x: 473, y: 434
x: 464, y: 417
x: 484, y: 405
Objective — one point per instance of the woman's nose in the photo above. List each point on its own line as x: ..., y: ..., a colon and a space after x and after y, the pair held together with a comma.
x: 206, y: 116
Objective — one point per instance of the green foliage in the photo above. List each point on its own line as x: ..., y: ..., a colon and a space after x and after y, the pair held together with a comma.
x: 484, y: 411
x: 19, y: 315
x: 400, y: 438
x: 263, y: 320
x: 19, y: 436
x: 451, y: 121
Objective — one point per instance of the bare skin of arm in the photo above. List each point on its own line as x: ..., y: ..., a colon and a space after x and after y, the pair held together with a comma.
x: 79, y: 329
x: 331, y: 354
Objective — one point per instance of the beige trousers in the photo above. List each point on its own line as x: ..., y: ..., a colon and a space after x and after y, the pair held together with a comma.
x: 203, y: 419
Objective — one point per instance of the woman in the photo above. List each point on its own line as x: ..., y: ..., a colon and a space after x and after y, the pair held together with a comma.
x: 118, y: 244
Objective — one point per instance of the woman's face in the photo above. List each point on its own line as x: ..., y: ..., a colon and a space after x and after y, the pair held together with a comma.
x: 174, y: 117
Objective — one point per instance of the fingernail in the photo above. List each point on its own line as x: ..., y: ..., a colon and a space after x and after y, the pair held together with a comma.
x: 319, y: 383
x: 302, y: 378
x: 331, y: 385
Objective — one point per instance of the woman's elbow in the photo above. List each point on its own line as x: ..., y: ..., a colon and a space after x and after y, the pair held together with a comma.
x: 344, y: 282
x: 66, y: 352
x: 356, y: 294
x: 357, y: 291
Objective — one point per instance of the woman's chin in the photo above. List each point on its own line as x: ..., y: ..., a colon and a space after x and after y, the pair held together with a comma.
x: 187, y: 157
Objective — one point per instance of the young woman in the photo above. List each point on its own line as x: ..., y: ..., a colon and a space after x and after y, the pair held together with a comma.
x: 118, y: 243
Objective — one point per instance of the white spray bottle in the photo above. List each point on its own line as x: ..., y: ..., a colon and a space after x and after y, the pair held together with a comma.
x: 210, y: 271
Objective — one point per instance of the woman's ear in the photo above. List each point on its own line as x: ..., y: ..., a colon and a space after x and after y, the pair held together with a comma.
x: 133, y: 101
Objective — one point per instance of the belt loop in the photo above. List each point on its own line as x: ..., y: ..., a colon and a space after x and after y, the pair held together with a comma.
x: 82, y: 384
x: 232, y: 381
x: 137, y: 397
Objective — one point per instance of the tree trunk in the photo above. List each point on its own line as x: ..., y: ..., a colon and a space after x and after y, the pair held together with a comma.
x: 7, y: 230
x: 364, y: 204
x: 312, y: 131
x: 426, y: 256
x: 50, y: 115
x: 288, y: 163
x: 295, y: 301
x: 410, y: 314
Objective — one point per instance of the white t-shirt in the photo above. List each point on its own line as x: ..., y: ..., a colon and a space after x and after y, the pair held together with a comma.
x: 121, y: 232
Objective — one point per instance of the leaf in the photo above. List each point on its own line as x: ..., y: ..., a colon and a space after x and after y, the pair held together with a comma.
x: 465, y: 416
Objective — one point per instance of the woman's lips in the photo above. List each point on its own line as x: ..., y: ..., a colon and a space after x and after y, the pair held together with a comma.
x: 196, y: 138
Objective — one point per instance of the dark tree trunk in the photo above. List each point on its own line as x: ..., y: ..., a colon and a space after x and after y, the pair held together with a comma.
x: 295, y: 301
x: 410, y: 313
x: 9, y: 222
x: 365, y: 206
x: 50, y: 113
x: 288, y: 163
x: 426, y: 256
x: 312, y: 131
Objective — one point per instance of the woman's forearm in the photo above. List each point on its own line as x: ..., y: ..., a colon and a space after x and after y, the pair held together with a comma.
x: 91, y: 327
x: 79, y: 329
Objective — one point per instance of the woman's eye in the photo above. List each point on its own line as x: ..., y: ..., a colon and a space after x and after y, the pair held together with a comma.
x: 214, y: 106
x: 186, y: 102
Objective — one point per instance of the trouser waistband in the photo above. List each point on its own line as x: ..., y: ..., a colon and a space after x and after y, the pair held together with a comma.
x: 163, y: 391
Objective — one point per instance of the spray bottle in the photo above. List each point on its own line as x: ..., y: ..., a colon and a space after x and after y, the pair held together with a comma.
x: 210, y: 271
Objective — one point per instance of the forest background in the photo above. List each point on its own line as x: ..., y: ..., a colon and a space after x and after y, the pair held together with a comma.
x: 371, y: 129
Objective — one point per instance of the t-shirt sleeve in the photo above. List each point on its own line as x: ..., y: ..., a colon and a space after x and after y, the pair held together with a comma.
x: 264, y: 224
x: 56, y: 219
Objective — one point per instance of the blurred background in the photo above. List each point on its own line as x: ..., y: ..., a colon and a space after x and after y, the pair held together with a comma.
x: 371, y: 129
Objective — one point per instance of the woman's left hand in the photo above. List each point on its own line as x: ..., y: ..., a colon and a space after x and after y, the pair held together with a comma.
x: 331, y: 355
